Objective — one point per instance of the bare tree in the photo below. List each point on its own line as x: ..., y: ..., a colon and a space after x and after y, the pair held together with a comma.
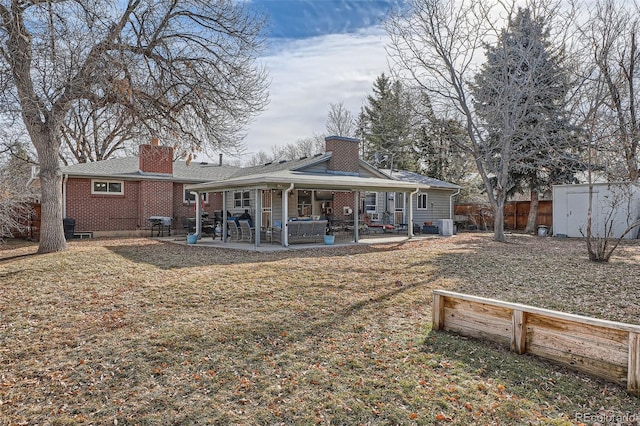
x: 15, y: 195
x: 340, y: 121
x: 439, y: 44
x: 610, y: 37
x: 184, y: 71
x: 93, y: 133
x: 606, y: 104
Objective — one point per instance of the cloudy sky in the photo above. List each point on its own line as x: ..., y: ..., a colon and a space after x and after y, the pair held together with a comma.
x: 319, y: 52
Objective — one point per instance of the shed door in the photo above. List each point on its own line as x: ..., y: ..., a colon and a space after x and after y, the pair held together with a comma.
x: 577, y: 208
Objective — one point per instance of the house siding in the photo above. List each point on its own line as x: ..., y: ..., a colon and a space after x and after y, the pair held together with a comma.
x: 439, y: 207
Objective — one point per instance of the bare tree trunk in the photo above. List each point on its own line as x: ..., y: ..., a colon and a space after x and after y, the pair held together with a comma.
x: 51, y: 231
x: 532, y: 220
x: 498, y: 221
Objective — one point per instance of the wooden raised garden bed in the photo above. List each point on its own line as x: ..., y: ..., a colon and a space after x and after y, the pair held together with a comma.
x: 606, y: 349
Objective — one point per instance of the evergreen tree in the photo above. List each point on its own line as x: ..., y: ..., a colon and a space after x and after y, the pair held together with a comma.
x: 520, y: 94
x: 437, y: 143
x: 385, y: 126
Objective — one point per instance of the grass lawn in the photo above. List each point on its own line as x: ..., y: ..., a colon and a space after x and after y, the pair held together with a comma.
x: 138, y: 331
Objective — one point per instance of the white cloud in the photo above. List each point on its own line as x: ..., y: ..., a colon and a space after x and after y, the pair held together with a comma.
x: 307, y: 75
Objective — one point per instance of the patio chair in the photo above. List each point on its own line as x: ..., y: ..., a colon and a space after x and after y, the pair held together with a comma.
x: 234, y: 232
x: 247, y: 233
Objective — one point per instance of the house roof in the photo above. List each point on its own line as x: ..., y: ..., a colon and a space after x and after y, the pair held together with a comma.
x: 283, y: 165
x: 407, y: 176
x: 307, y: 180
x: 128, y: 168
x: 210, y: 177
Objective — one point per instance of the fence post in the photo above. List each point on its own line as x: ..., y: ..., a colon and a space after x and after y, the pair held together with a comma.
x: 437, y: 312
x: 518, y: 332
x: 633, y: 369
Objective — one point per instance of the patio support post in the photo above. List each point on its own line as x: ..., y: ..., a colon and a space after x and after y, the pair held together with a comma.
x: 356, y: 213
x: 410, y: 204
x: 225, y: 227
x: 257, y: 223
x: 285, y: 214
x: 198, y: 215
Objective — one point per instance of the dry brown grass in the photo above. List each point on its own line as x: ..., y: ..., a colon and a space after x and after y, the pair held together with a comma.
x: 137, y: 331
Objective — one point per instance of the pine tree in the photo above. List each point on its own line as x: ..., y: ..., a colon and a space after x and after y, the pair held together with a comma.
x: 385, y: 126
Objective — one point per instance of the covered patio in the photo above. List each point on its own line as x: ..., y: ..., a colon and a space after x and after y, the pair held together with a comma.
x: 280, y: 186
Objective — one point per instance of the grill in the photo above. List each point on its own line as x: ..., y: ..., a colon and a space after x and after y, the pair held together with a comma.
x: 160, y: 223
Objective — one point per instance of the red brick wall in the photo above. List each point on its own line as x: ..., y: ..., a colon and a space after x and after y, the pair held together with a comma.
x: 345, y: 156
x: 156, y: 159
x: 156, y: 199
x: 128, y: 212
x: 340, y: 200
x: 102, y: 212
x: 182, y: 210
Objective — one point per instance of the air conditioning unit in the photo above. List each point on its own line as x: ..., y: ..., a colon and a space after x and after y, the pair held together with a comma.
x: 374, y: 216
x: 446, y: 227
x: 346, y: 210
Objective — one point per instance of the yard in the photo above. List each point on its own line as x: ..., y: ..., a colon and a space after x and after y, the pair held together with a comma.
x: 138, y: 331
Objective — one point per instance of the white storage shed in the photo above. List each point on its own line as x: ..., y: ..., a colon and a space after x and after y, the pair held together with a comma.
x: 615, y: 207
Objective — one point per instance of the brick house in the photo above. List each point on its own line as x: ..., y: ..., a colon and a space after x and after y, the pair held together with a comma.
x: 118, y: 196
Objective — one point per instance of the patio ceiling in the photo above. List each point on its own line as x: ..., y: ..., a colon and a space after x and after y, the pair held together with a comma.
x: 306, y: 180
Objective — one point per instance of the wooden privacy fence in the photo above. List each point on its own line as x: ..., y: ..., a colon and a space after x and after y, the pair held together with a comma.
x: 606, y: 349
x: 516, y: 214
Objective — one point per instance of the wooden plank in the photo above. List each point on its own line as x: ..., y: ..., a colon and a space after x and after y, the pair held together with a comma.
x: 604, y: 370
x: 478, y: 326
x: 437, y: 312
x: 547, y: 312
x: 633, y: 367
x: 518, y: 332
x: 463, y: 329
x: 594, y: 348
x: 485, y: 309
x: 579, y: 328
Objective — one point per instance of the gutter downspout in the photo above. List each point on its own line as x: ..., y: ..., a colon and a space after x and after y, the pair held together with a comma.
x: 225, y: 224
x: 285, y: 211
x: 451, y: 211
x: 198, y: 215
x: 410, y: 224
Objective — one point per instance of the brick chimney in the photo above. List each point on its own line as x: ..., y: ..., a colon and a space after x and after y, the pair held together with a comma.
x: 154, y: 158
x: 344, y: 154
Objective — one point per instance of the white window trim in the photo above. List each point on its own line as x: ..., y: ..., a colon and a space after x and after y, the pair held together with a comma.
x: 186, y: 201
x: 426, y: 201
x: 93, y: 182
x: 242, y: 200
x: 375, y: 205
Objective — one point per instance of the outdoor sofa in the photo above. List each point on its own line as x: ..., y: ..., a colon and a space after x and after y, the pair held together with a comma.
x: 302, y: 231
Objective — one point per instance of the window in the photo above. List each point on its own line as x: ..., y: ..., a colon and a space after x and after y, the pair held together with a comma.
x: 422, y: 201
x: 111, y: 187
x: 241, y: 199
x: 370, y: 201
x: 188, y: 197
